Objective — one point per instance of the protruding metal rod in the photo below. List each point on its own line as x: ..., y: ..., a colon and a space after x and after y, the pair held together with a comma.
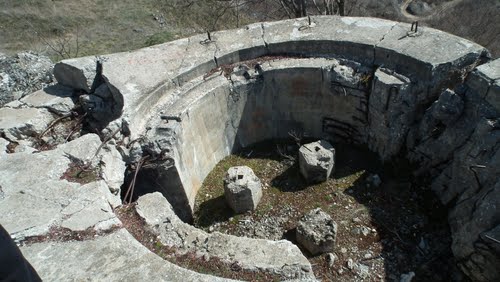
x: 216, y: 62
x: 414, y: 25
x: 309, y: 18
x: 210, y: 37
x: 167, y: 118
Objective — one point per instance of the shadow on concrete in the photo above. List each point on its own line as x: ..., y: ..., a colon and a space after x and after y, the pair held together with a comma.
x: 60, y: 91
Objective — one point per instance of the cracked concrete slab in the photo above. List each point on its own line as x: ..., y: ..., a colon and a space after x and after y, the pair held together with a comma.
x: 56, y: 98
x: 36, y: 198
x: 277, y: 257
x: 18, y: 124
x: 115, y: 257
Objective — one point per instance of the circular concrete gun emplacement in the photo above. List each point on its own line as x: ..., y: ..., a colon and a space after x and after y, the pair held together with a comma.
x: 426, y: 105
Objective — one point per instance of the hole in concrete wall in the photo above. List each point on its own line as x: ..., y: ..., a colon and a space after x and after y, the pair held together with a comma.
x: 395, y: 228
x: 158, y: 177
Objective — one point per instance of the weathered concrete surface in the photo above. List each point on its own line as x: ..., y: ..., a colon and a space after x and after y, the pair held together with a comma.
x: 317, y: 232
x: 57, y: 99
x: 486, y: 80
x: 276, y: 257
x: 113, y: 169
x: 142, y: 80
x: 166, y: 99
x: 392, y: 106
x: 18, y: 124
x: 35, y: 198
x: 316, y: 161
x: 242, y: 189
x: 115, y: 257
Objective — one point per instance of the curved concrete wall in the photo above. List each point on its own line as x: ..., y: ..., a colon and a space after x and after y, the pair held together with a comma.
x: 365, y: 81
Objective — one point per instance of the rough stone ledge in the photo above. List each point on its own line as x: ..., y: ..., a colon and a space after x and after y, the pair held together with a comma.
x: 277, y: 257
x: 115, y: 257
x: 144, y: 76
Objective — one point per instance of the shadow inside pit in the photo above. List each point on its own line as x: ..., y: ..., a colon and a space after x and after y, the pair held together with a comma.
x: 411, y: 225
x: 213, y: 211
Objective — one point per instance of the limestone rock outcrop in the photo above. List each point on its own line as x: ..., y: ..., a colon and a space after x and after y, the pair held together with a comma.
x: 242, y: 189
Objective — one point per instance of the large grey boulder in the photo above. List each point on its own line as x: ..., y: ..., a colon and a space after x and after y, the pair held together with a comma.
x: 316, y: 161
x: 317, y: 232
x: 22, y: 74
x: 242, y: 189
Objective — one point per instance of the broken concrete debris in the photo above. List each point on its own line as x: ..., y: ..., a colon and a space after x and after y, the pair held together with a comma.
x: 317, y: 232
x: 242, y: 189
x: 317, y: 161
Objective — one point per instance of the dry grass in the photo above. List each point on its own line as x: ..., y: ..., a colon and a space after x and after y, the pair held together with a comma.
x: 112, y: 26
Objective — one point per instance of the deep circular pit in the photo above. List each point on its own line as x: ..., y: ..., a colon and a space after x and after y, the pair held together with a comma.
x: 398, y: 227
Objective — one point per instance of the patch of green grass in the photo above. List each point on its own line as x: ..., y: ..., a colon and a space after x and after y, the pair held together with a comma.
x: 283, y: 186
x: 159, y: 38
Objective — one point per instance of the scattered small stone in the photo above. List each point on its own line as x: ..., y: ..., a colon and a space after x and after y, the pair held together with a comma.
x: 356, y: 220
x: 350, y: 264
x: 362, y: 270
x: 407, y: 277
x: 331, y: 258
x: 340, y: 271
x: 365, y: 231
x: 422, y: 245
x: 343, y: 250
x: 373, y: 180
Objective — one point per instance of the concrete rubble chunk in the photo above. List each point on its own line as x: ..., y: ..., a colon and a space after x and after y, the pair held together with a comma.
x: 76, y: 73
x: 448, y: 107
x: 277, y: 257
x: 115, y: 257
x: 242, y: 189
x: 113, y: 168
x: 56, y: 98
x: 317, y: 232
x: 316, y: 161
x: 18, y: 124
x: 3, y: 146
